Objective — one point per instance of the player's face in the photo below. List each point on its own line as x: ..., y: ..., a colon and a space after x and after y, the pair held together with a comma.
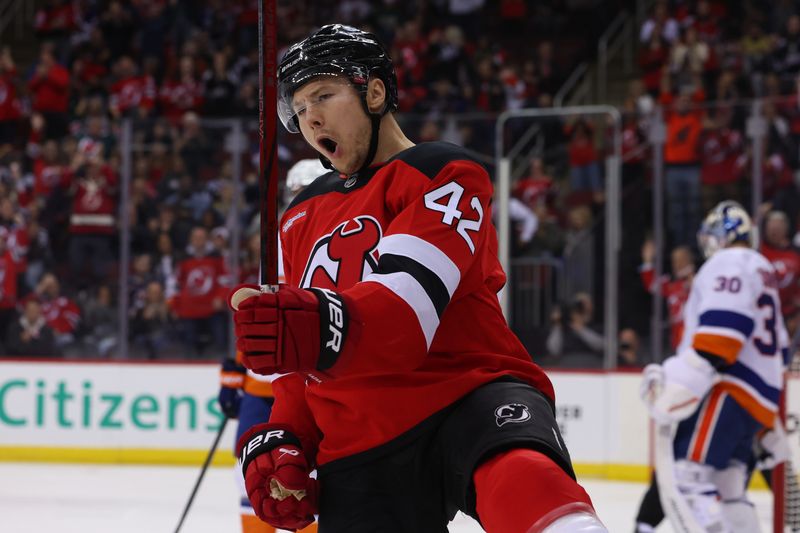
x: 333, y: 122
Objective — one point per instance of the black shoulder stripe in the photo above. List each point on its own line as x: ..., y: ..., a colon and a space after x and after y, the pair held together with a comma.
x: 430, y: 158
x: 432, y: 284
x: 325, y: 183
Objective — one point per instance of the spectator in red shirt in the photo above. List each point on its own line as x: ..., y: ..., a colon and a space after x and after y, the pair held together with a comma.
x: 778, y: 249
x: 93, y: 219
x: 181, y: 93
x: 10, y: 108
x: 585, y: 177
x: 8, y: 283
x: 721, y: 146
x: 61, y: 313
x: 203, y: 287
x: 132, y: 94
x: 48, y: 172
x: 675, y: 289
x: 49, y: 89
x: 536, y: 189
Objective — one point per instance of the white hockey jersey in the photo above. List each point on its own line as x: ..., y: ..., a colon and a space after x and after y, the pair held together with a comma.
x: 733, y: 312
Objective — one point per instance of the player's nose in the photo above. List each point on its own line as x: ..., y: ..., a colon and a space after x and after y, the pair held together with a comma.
x: 314, y: 116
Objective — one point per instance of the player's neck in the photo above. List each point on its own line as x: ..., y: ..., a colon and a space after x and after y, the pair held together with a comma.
x: 392, y: 140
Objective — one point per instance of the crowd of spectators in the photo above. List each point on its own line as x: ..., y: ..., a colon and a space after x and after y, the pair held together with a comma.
x: 174, y: 67
x: 180, y: 70
x: 703, y: 64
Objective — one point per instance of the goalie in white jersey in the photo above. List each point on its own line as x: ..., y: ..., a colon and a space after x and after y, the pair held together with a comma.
x: 724, y: 384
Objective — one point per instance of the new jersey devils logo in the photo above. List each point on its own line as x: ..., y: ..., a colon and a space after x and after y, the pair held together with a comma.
x: 199, y: 281
x: 344, y: 256
x: 511, y: 413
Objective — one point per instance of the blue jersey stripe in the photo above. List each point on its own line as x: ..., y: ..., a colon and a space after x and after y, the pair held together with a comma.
x: 728, y: 319
x: 742, y: 372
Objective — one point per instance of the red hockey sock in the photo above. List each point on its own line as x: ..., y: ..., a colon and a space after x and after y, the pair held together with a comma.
x: 518, y: 488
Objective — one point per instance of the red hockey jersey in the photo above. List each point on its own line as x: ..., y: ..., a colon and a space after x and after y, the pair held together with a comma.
x: 62, y: 314
x: 676, y: 292
x: 8, y: 281
x: 132, y: 92
x: 201, y: 281
x: 411, y: 247
x: 787, y: 268
x: 10, y: 106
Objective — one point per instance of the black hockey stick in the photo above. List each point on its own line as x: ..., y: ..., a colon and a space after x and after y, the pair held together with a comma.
x: 268, y: 153
x: 202, y: 472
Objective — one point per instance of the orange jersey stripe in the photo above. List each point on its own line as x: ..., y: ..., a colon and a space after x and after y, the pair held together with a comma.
x: 252, y: 524
x: 724, y: 347
x: 259, y: 388
x: 703, y: 430
x: 743, y: 398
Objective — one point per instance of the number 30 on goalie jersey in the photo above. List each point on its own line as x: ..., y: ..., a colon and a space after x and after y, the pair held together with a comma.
x: 733, y: 313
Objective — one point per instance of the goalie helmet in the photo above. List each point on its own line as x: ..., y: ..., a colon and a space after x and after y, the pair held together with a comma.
x: 303, y: 173
x: 334, y: 50
x: 728, y: 223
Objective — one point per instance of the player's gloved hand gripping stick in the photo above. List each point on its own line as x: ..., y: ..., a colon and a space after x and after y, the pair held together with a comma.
x: 290, y: 329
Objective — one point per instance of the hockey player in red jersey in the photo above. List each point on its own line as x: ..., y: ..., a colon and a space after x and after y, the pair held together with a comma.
x: 404, y: 386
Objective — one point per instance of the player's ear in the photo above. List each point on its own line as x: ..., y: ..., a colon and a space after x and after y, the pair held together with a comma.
x: 376, y: 95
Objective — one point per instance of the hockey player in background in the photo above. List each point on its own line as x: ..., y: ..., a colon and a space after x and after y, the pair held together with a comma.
x: 723, y: 385
x: 245, y: 395
x: 405, y: 387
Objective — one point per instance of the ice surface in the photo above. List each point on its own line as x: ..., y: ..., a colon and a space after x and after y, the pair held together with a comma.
x: 44, y: 498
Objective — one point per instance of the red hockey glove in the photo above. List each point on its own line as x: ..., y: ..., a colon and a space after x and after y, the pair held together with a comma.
x: 289, y: 330
x: 275, y: 472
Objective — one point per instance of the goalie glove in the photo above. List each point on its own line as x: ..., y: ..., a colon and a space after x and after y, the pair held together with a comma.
x: 687, y: 379
x: 276, y: 476
x: 772, y: 448
x: 288, y: 330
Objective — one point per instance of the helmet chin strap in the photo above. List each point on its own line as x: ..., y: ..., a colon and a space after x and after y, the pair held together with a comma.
x: 375, y: 120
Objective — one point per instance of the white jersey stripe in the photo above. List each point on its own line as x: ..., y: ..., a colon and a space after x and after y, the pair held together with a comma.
x: 425, y: 254
x: 410, y: 291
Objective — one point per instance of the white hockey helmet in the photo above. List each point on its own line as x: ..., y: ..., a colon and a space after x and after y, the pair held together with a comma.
x: 728, y: 223
x: 303, y: 173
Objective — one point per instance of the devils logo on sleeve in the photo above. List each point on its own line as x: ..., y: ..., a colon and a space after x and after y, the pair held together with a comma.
x: 343, y: 257
x: 511, y: 413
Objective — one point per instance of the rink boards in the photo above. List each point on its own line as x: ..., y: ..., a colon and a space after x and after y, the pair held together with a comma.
x: 153, y: 413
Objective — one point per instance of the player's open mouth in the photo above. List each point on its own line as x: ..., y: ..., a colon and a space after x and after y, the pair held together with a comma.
x: 329, y: 145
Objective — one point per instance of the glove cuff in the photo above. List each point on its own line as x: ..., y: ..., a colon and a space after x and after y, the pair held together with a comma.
x: 692, y: 371
x: 263, y: 438
x: 333, y: 324
x: 232, y: 374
